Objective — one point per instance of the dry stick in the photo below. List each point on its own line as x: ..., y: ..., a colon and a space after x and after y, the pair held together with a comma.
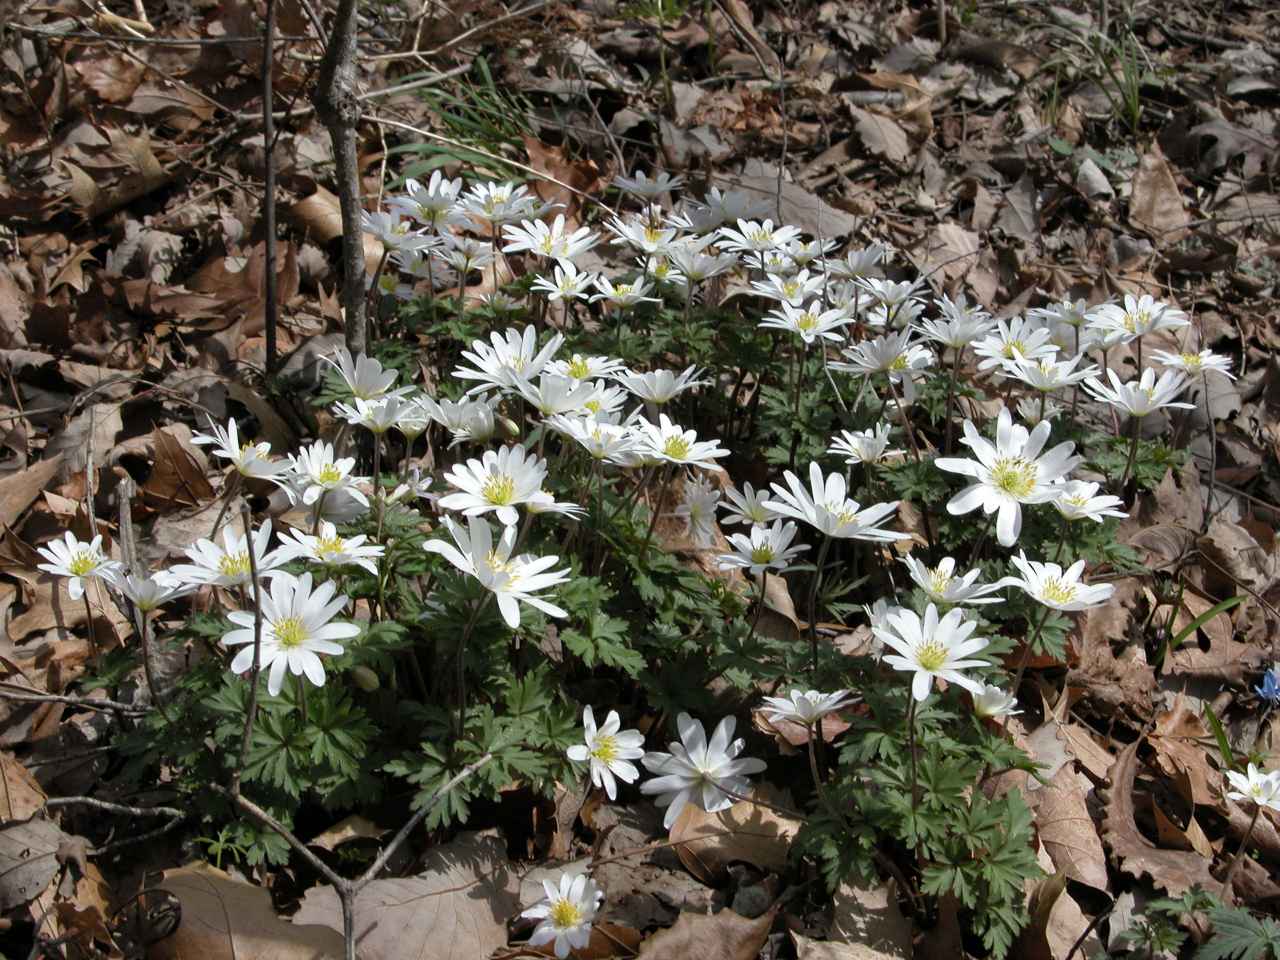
x: 339, y: 110
x: 251, y: 713
x: 140, y: 618
x: 1244, y: 846
x: 12, y: 691
x: 270, y: 309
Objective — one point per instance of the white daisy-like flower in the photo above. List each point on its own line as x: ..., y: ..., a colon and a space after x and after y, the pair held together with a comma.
x: 1008, y: 473
x: 661, y: 386
x: 755, y: 236
x: 1255, y: 786
x: 1032, y: 411
x: 465, y: 419
x: 548, y: 241
x: 704, y: 772
x: 1073, y: 313
x: 228, y: 564
x: 623, y: 294
x: 296, y: 628
x: 318, y: 472
x: 606, y: 400
x: 380, y: 415
x: 893, y: 355
x: 863, y: 262
x: 497, y: 203
x: 810, y: 323
x: 805, y: 252
x: 565, y: 916
x: 698, y: 510
x: 544, y: 502
x: 650, y: 237
x: 364, y: 376
x: 795, y: 289
x: 863, y: 446
x: 642, y: 186
x: 394, y: 231
x: 826, y: 507
x: 567, y: 283
x: 1017, y: 335
x: 889, y: 294
x: 610, y: 442
x: 498, y: 482
x: 805, y: 707
x: 719, y: 207
x: 148, y: 593
x: 747, y: 505
x: 1049, y: 584
x: 942, y: 585
x: 959, y: 325
x: 671, y: 443
x: 69, y: 557
x: 932, y: 647
x: 328, y: 547
x: 1136, y: 317
x: 431, y: 203
x: 250, y: 459
x: 1048, y: 374
x: 512, y: 580
x: 763, y: 548
x: 1080, y: 500
x: 695, y: 265
x: 553, y: 394
x: 465, y: 254
x: 609, y: 750
x: 1206, y: 361
x: 992, y: 703
x: 507, y: 359
x: 1143, y: 396
x: 583, y: 368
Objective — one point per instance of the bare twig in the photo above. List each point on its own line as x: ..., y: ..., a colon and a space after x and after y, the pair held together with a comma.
x: 12, y: 691
x: 270, y: 309
x: 251, y: 712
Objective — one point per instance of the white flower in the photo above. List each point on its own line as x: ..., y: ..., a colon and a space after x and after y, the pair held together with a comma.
x: 695, y: 265
x: 1136, y: 317
x: 1016, y: 335
x: 990, y: 702
x: 465, y: 419
x: 583, y: 368
x: 1048, y: 374
x: 959, y: 325
x: 623, y: 294
x: 566, y: 915
x: 699, y: 510
x: 364, y: 376
x: 671, y: 443
x: 748, y: 506
x: 609, y: 750
x: 1008, y: 473
x: 660, y: 386
x: 499, y: 481
x: 648, y: 236
x: 543, y: 502
x: 804, y: 706
x: 1080, y: 500
x: 552, y: 241
x: 380, y: 415
x: 717, y: 208
x: 932, y: 647
x: 1261, y: 788
x: 296, y: 629
x: 1144, y: 395
x: 1073, y: 313
x: 318, y: 472
x: 699, y: 771
x: 148, y: 593
x: 228, y: 565
x: 808, y: 322
x: 1059, y: 589
x: 894, y: 355
x: 249, y: 459
x: 465, y: 254
x: 762, y: 548
x: 641, y: 186
x: 943, y: 586
x: 826, y: 507
x: 863, y: 446
x: 430, y: 205
x: 863, y: 262
x: 756, y: 236
x: 495, y: 203
x: 568, y: 283
x: 69, y: 557
x: 610, y: 442
x: 512, y: 580
x: 555, y: 394
x: 889, y: 294
x: 794, y: 290
x: 1206, y: 361
x: 513, y: 356
x: 395, y: 232
x: 329, y: 548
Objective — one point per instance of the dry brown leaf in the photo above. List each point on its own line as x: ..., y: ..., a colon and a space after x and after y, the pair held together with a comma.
x: 1173, y: 870
x: 19, y: 490
x: 1119, y: 684
x: 1177, y: 739
x: 870, y: 917
x: 1068, y: 832
x: 22, y: 796
x: 227, y: 919
x: 1155, y: 204
x: 77, y: 909
x: 28, y: 860
x: 950, y: 250
x: 320, y: 216
x: 354, y: 827
x: 457, y: 908
x: 1056, y: 922
x: 1095, y: 759
x: 745, y: 831
x: 718, y: 936
x: 810, y: 949
x: 177, y: 478
x: 583, y: 175
x: 110, y: 75
x: 881, y: 135
x: 98, y: 425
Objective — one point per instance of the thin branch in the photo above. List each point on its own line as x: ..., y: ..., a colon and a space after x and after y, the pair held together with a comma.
x: 462, y: 37
x: 270, y: 308
x: 251, y: 712
x: 12, y: 691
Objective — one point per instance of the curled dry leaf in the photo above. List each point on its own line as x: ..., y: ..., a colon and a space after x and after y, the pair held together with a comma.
x: 1117, y: 683
x: 28, y: 860
x: 1056, y: 922
x: 708, y: 842
x: 227, y: 919
x: 1155, y: 204
x: 1068, y: 831
x: 19, y: 490
x: 1173, y: 870
x: 717, y: 936
x: 22, y: 796
x: 457, y: 908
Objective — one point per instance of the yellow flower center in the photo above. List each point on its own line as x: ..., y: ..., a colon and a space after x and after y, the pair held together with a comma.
x: 1191, y: 361
x: 1079, y: 500
x: 1014, y: 345
x: 622, y: 290
x: 565, y: 914
x: 899, y: 362
x: 594, y: 407
x: 931, y: 655
x: 842, y: 513
x: 1056, y: 591
x: 579, y: 368
x: 326, y: 546
x: 762, y: 554
x: 499, y: 490
x: 605, y: 749
x: 289, y: 632
x: 939, y: 582
x: 1015, y: 476
x: 806, y: 321
x: 677, y: 448
x: 761, y: 237
x: 790, y: 288
x: 83, y: 563
x: 234, y: 564
x: 652, y: 234
x: 496, y: 564
x: 329, y: 475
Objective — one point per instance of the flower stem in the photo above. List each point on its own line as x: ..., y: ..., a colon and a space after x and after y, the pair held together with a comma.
x: 1244, y: 845
x: 764, y: 582
x: 1026, y: 653
x: 664, y: 478
x: 951, y: 396
x: 1133, y: 452
x: 93, y: 631
x: 301, y: 683
x: 1213, y: 458
x: 911, y: 751
x: 813, y: 601
x: 462, y: 662
x: 251, y: 711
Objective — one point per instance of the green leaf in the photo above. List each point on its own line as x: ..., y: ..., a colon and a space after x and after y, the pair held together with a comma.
x: 1238, y: 935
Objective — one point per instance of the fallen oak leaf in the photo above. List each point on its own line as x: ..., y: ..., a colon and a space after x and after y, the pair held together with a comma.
x: 1068, y: 832
x: 1173, y: 870
x: 717, y: 936
x: 707, y: 843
